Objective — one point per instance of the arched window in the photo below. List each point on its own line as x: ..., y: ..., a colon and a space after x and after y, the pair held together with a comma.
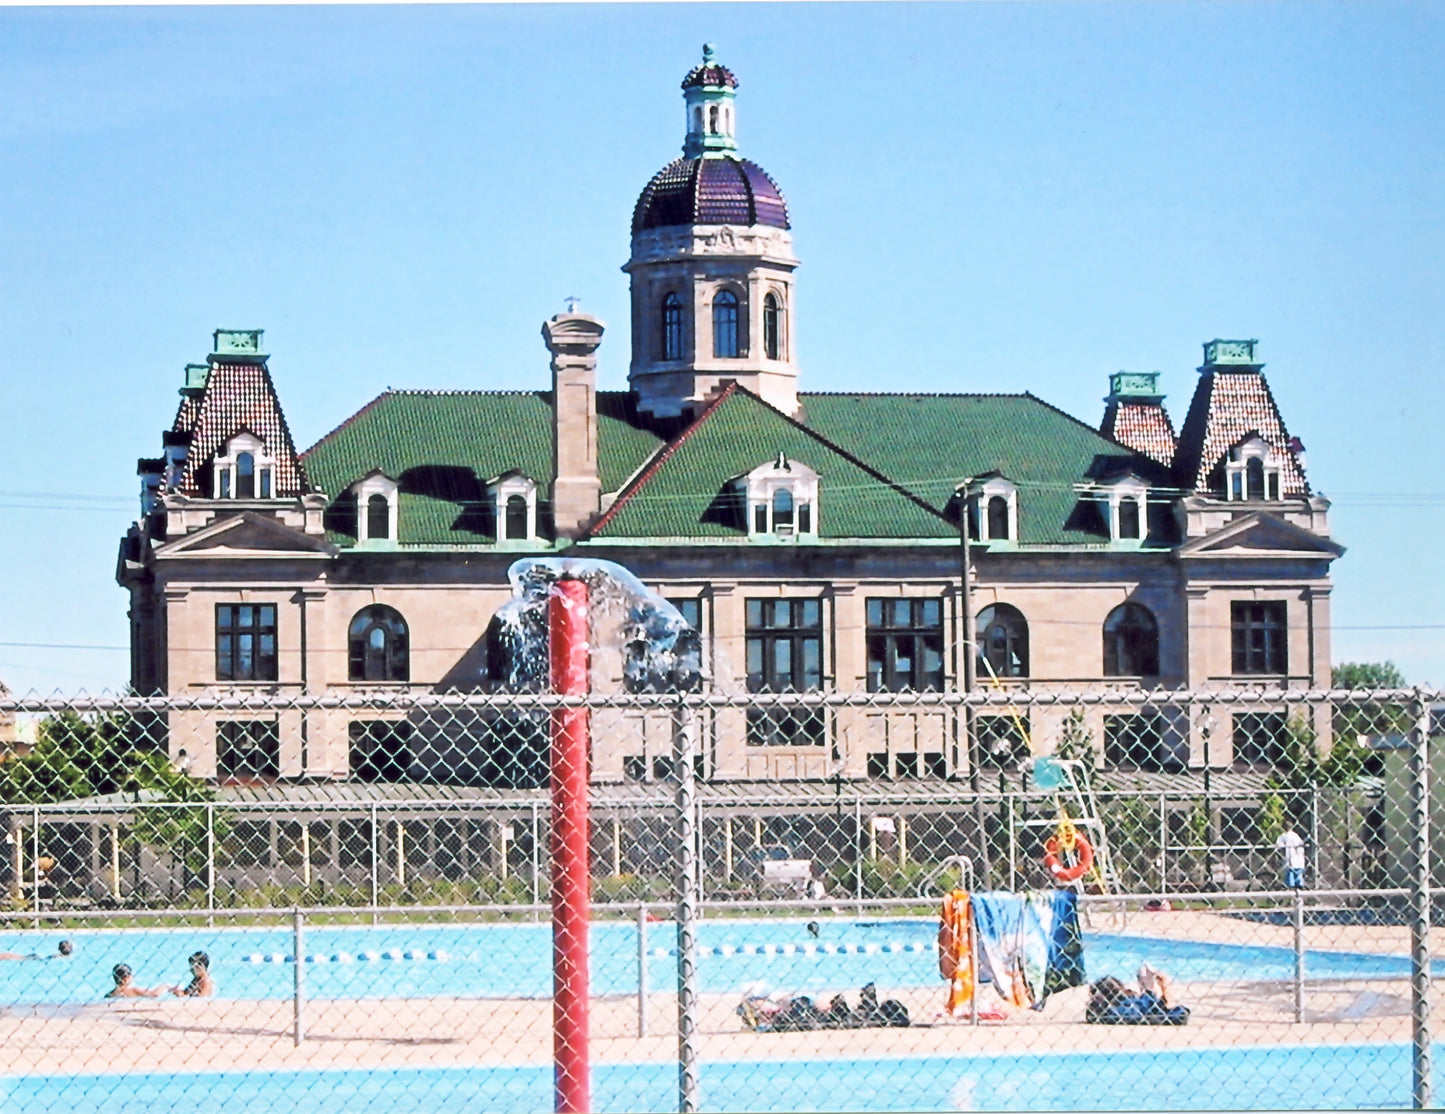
x: 1254, y: 478
x: 772, y: 322
x: 672, y: 327
x: 998, y: 518
x: 1131, y: 642
x: 782, y: 509
x: 1128, y: 518
x: 246, y: 476
x: 712, y: 119
x: 516, y: 527
x: 377, y: 645
x: 697, y: 120
x: 1003, y: 642
x: 725, y: 326
x: 378, y: 517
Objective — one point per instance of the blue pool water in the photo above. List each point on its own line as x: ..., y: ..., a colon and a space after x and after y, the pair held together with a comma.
x: 515, y: 960
x: 1311, y: 1077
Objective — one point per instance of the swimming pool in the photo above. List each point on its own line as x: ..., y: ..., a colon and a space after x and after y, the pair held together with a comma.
x: 490, y: 961
x: 1303, y: 1077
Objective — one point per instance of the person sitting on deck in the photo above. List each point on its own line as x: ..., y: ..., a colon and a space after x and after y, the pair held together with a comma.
x: 1113, y: 1003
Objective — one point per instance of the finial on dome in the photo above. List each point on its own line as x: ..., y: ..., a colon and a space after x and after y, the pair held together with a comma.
x: 708, y: 54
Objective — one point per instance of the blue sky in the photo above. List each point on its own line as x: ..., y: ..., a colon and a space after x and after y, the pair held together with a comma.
x: 985, y: 196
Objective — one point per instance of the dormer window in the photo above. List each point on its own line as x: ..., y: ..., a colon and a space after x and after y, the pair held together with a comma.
x: 376, y: 508
x: 514, y: 499
x: 243, y: 470
x: 781, y: 498
x: 1252, y: 471
x: 1126, y: 502
x: 993, y: 511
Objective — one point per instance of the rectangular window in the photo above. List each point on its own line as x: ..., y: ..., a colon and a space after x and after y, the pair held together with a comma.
x: 380, y: 750
x: 785, y: 654
x: 265, y: 483
x: 690, y: 609
x: 1136, y: 741
x: 1259, y: 637
x: 245, y: 642
x: 905, y: 645
x: 1259, y: 739
x: 248, y: 748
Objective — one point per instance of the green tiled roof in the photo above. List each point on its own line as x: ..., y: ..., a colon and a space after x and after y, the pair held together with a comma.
x: 888, y: 463
x: 443, y: 446
x: 684, y: 492
x: 929, y: 443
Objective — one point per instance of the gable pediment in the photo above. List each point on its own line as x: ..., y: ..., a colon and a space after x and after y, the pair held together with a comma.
x: 247, y: 535
x: 1261, y: 535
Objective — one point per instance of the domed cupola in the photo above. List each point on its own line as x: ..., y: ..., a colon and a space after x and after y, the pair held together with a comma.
x: 712, y: 266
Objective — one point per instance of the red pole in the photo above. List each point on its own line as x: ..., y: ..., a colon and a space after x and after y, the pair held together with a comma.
x: 567, y: 628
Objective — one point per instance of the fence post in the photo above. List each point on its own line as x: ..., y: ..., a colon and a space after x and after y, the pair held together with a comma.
x: 375, y: 891
x: 1008, y: 802
x: 858, y: 848
x: 210, y: 865
x: 684, y: 742
x: 298, y: 997
x: 1299, y: 955
x: 35, y: 859
x: 536, y: 859
x: 642, y: 968
x: 1163, y: 846
x: 1420, y: 907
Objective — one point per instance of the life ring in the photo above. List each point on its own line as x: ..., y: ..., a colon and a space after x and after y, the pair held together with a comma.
x: 1083, y: 850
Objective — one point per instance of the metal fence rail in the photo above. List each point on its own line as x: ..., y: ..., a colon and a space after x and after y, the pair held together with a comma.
x: 367, y: 875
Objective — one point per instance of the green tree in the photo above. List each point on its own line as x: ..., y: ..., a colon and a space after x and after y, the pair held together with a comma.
x: 1076, y: 741
x: 78, y: 756
x: 1367, y: 718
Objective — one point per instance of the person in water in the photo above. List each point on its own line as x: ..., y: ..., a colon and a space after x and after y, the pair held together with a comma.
x: 64, y: 951
x: 125, y: 986
x: 201, y: 984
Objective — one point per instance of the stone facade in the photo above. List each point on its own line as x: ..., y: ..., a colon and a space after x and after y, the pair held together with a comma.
x: 1036, y: 552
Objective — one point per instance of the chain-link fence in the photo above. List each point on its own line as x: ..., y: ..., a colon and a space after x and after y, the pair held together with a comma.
x: 366, y: 878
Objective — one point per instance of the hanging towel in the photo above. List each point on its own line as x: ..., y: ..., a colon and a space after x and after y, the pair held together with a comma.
x: 955, y: 947
x: 1066, y: 945
x: 998, y: 919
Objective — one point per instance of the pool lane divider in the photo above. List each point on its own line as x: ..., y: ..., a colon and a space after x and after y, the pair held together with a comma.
x: 708, y: 951
x: 391, y: 955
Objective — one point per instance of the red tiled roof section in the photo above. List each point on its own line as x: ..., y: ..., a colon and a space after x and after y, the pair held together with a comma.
x: 237, y: 397
x: 1227, y: 407
x: 1142, y: 426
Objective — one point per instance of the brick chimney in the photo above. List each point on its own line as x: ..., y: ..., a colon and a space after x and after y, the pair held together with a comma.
x: 572, y: 339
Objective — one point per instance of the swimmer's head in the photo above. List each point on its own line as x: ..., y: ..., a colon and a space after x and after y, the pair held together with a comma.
x: 120, y: 972
x: 200, y: 959
x: 66, y: 947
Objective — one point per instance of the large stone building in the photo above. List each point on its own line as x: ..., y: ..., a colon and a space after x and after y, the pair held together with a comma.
x: 847, y: 541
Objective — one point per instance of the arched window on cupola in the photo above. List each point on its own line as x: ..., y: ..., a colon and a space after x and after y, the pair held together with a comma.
x: 672, y: 327
x: 712, y: 119
x: 725, y: 326
x: 772, y: 327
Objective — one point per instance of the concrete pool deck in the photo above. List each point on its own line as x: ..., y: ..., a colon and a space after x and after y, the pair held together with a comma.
x: 178, y: 1035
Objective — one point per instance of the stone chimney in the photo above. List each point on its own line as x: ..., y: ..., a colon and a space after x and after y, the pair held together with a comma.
x: 572, y: 339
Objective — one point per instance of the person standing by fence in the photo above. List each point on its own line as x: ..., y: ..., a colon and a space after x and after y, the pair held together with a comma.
x: 1293, y: 848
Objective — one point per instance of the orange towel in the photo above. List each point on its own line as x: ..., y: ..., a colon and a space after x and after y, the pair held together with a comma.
x: 955, y: 950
